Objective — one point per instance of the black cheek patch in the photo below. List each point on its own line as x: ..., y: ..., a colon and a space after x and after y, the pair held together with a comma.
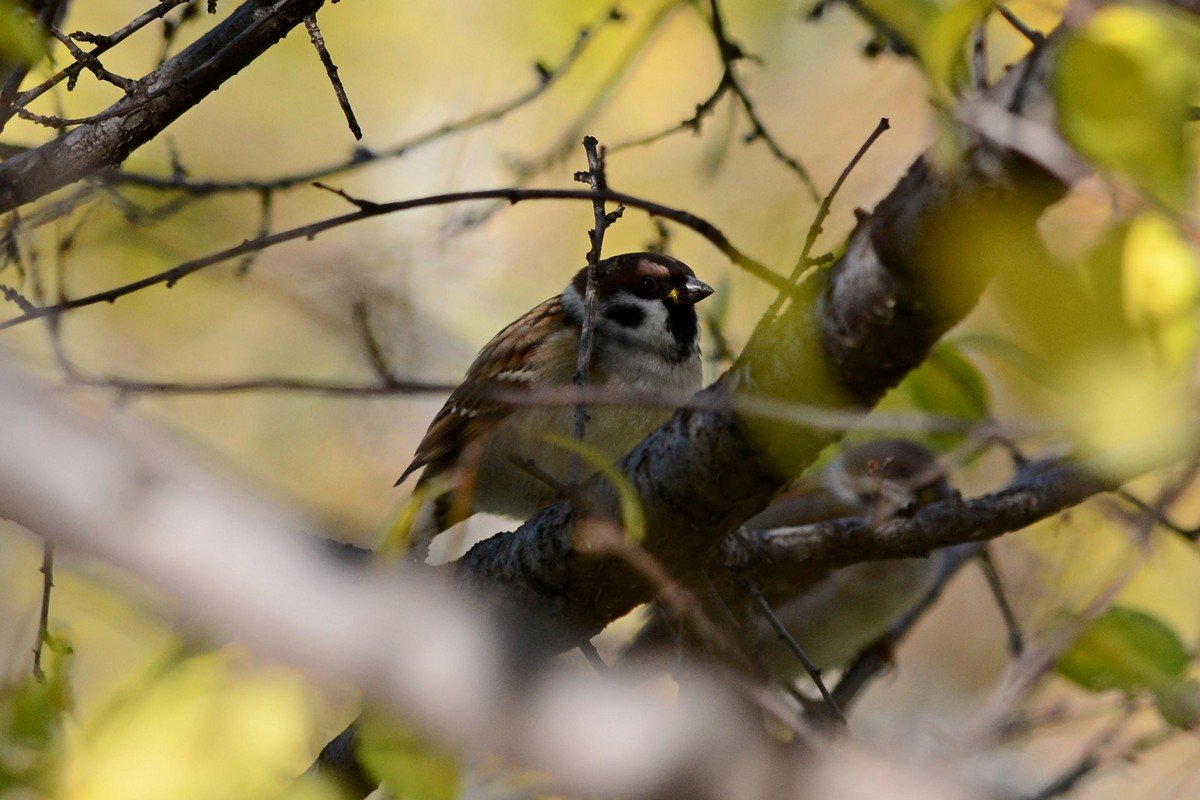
x: 625, y: 315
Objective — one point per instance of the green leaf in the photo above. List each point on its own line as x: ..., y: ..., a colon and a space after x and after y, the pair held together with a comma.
x: 936, y: 30
x: 947, y: 385
x: 632, y: 517
x: 398, y: 758
x: 1123, y: 86
x: 1128, y: 650
x: 951, y: 385
x: 1027, y: 363
x: 20, y: 39
x: 37, y: 706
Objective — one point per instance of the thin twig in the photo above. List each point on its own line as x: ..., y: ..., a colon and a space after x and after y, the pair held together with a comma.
x: 170, y: 276
x: 1035, y: 37
x: 362, y: 319
x: 782, y: 632
x: 979, y: 56
x: 44, y: 617
x: 730, y: 53
x: 875, y: 657
x: 1016, y: 640
x: 546, y: 78
x: 318, y: 41
x: 264, y: 228
x: 595, y: 178
x: 817, y: 227
x: 593, y: 657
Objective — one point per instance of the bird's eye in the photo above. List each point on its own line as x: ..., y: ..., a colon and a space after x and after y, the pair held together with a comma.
x: 646, y: 287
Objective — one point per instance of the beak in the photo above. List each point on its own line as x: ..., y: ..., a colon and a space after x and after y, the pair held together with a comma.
x: 690, y: 293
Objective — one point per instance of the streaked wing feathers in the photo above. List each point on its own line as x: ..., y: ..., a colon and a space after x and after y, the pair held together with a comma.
x: 503, y: 364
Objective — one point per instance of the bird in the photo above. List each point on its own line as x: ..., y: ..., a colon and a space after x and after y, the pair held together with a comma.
x: 483, y: 454
x: 834, y: 618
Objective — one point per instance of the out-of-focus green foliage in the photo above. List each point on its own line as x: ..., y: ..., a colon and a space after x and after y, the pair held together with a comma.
x: 1113, y: 331
x: 201, y: 728
x: 1131, y: 651
x: 20, y: 40
x: 936, y: 30
x: 947, y: 386
x: 1123, y: 85
x: 31, y: 723
x: 398, y: 758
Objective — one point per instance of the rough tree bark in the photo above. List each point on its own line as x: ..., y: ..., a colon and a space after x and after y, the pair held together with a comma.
x: 912, y: 269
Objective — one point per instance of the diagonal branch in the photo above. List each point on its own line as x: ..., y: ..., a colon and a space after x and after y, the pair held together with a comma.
x: 155, y: 101
x: 911, y: 270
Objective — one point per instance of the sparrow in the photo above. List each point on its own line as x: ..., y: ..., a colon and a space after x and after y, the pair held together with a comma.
x: 848, y: 609
x: 482, y: 454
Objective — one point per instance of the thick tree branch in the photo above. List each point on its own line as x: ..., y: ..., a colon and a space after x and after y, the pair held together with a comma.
x: 808, y: 551
x: 912, y: 269
x: 154, y: 102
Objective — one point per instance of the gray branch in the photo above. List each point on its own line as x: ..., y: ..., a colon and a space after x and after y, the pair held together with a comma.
x: 153, y: 103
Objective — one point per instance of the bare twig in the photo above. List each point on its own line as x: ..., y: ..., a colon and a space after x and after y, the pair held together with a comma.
x: 1035, y: 37
x: 595, y: 178
x: 546, y: 78
x: 318, y: 40
x: 171, y: 276
x: 1016, y: 640
x: 816, y: 228
x: 264, y: 228
x: 43, y: 631
x: 876, y: 656
x: 156, y: 100
x: 730, y: 53
x: 362, y: 319
x: 782, y: 632
x: 593, y: 657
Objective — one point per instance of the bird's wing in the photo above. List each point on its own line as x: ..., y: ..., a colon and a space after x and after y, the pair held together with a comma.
x: 504, y: 364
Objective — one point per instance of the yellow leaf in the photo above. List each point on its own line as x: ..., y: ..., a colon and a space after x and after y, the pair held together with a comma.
x: 201, y: 730
x: 1123, y: 86
x: 1161, y: 287
x: 936, y: 30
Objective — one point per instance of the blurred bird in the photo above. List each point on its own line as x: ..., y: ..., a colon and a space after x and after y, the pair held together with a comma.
x: 483, y: 454
x: 839, y: 615
x: 847, y: 610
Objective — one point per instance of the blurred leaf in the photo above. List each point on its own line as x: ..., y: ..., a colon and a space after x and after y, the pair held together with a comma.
x: 936, y: 30
x: 962, y: 391
x: 1124, y: 649
x: 1131, y: 651
x: 20, y: 39
x: 1123, y: 87
x: 1029, y: 364
x: 204, y: 728
x: 397, y: 757
x: 633, y: 519
x: 1179, y: 703
x: 1160, y: 288
x: 38, y: 705
x: 946, y: 385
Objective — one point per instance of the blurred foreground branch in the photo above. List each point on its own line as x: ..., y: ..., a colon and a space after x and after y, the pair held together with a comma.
x: 251, y: 572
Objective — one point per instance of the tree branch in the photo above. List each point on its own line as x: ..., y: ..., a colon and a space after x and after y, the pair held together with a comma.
x: 848, y: 336
x: 155, y: 101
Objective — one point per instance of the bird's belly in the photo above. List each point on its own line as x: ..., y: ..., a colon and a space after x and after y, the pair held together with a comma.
x: 611, y: 431
x: 837, y: 617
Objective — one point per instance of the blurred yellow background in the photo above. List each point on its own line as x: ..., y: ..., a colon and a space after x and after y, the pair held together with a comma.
x: 436, y: 289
